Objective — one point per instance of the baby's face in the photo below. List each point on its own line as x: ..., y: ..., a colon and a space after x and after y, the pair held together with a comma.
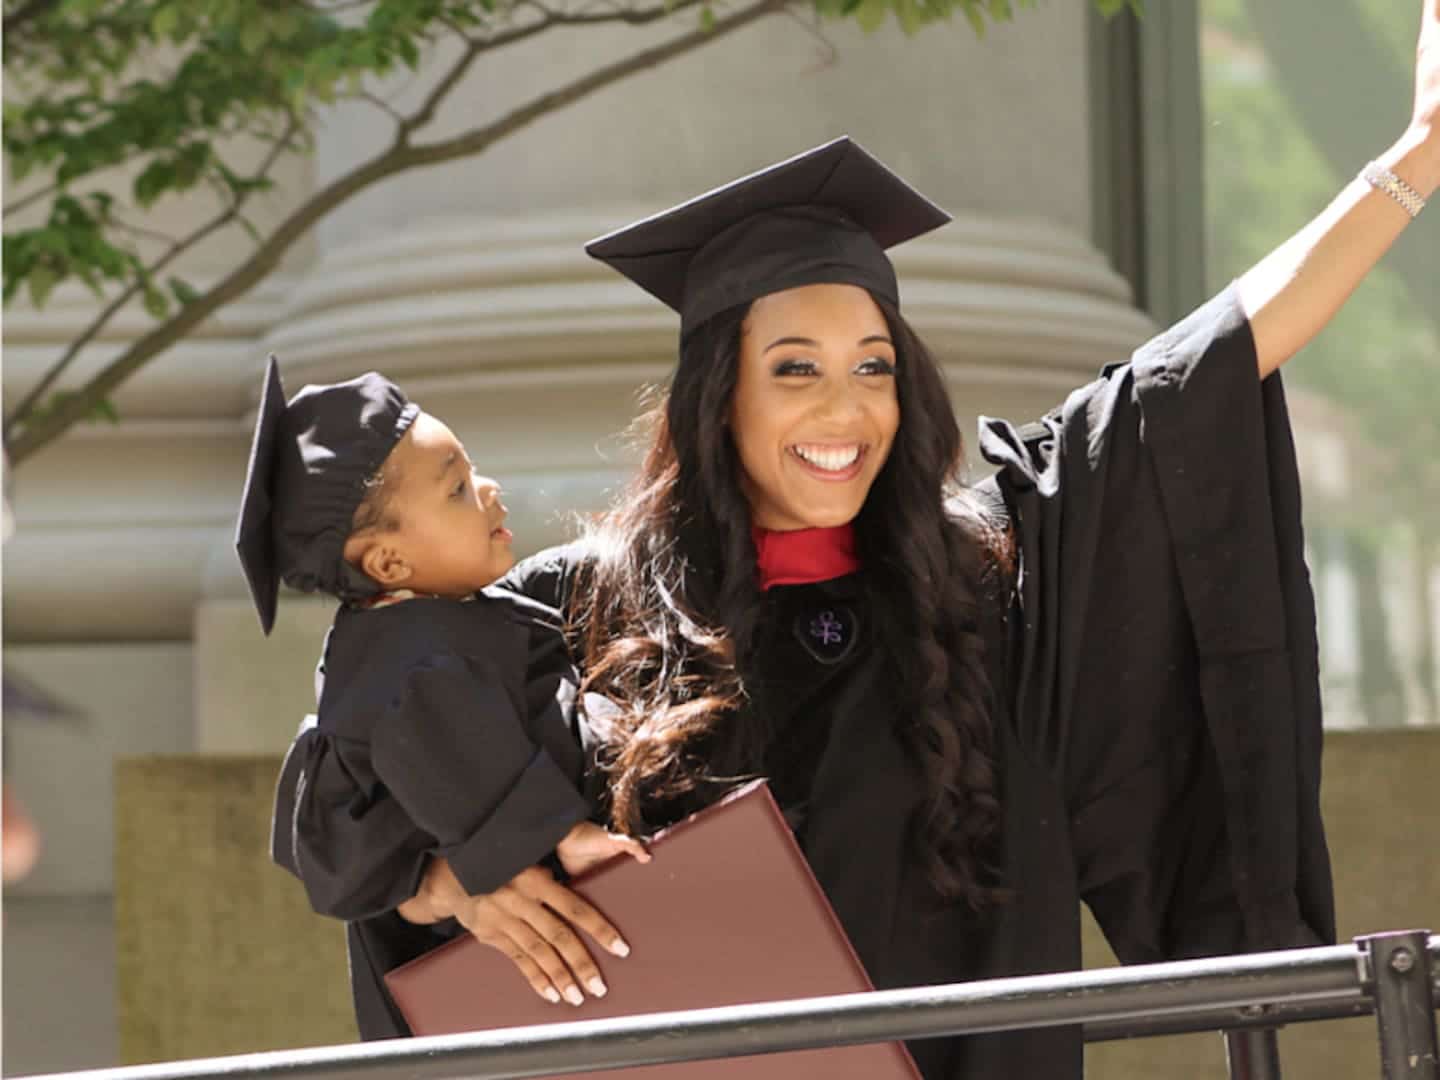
x: 450, y: 522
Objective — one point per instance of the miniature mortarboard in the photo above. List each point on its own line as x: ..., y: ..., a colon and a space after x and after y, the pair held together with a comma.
x: 823, y: 217
x: 310, y: 462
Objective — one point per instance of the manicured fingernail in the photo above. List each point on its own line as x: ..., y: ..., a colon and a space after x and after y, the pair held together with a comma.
x: 552, y: 995
x: 597, y: 986
x: 620, y: 948
x: 574, y: 996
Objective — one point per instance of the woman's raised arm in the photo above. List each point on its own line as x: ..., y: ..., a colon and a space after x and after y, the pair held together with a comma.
x: 1294, y: 291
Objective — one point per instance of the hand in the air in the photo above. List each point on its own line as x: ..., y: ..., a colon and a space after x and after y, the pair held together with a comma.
x: 530, y: 919
x: 587, y: 845
x: 1426, y: 120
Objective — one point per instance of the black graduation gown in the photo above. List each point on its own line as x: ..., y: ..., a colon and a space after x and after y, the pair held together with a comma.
x: 443, y: 727
x: 1159, y: 733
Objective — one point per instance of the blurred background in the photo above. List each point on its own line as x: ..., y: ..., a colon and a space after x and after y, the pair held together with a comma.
x: 406, y: 186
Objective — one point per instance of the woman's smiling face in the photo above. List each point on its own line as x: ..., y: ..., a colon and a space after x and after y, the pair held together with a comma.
x: 815, y: 409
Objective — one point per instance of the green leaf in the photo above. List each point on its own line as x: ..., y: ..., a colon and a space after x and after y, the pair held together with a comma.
x: 409, y: 53
x: 165, y: 21
x: 157, y: 178
x: 976, y: 17
x: 910, y: 15
x: 41, y: 280
x: 155, y: 302
x: 253, y: 36
x: 870, y: 14
x: 707, y: 18
x: 183, y: 291
x: 105, y: 410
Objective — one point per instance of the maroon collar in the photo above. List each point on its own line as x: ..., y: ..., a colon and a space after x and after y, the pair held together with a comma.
x: 804, y: 556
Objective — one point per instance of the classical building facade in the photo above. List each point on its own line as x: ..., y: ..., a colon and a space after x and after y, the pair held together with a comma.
x: 1049, y: 140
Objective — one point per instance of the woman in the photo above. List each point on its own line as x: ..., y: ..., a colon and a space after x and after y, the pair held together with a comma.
x: 1091, y: 678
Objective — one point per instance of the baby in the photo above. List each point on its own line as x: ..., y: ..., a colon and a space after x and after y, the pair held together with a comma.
x: 445, y: 719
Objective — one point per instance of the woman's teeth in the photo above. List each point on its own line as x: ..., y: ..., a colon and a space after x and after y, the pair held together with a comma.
x: 829, y: 458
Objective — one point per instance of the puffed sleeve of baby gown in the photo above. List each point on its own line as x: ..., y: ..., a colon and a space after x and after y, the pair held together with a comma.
x: 353, y: 847
x: 453, y: 752
x: 1168, y: 674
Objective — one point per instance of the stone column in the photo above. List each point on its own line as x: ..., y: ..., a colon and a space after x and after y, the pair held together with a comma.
x: 467, y: 283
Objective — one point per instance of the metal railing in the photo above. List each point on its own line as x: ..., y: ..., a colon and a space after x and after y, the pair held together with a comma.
x: 1395, y: 976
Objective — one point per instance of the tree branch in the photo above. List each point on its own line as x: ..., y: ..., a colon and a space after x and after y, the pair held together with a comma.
x: 479, y: 139
x: 395, y: 159
x: 439, y: 92
x: 476, y: 47
x: 628, y: 16
x: 381, y: 104
x: 169, y: 241
x: 29, y: 200
x: 98, y: 323
x: 103, y: 317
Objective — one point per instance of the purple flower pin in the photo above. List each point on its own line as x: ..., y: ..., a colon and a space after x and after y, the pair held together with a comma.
x: 826, y: 628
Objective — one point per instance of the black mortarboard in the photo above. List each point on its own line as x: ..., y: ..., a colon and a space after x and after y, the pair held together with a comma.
x: 309, y: 465
x: 826, y: 216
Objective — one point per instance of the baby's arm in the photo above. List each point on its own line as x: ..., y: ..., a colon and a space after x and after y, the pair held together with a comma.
x: 588, y: 844
x: 455, y: 755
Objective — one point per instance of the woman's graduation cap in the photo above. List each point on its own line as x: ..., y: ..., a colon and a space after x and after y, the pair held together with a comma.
x: 310, y: 462
x: 823, y: 217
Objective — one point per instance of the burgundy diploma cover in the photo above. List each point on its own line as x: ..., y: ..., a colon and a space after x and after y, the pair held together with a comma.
x: 727, y: 912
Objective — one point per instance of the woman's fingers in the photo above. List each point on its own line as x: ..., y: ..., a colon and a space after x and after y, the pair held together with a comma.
x: 552, y: 943
x: 532, y: 920
x: 573, y: 909
x: 492, y: 926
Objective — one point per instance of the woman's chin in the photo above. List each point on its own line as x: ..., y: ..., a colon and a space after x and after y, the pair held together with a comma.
x: 822, y: 518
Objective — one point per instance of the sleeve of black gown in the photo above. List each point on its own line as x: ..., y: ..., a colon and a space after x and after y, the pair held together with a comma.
x: 454, y: 753
x: 1169, y: 668
x: 547, y: 576
x: 354, y: 848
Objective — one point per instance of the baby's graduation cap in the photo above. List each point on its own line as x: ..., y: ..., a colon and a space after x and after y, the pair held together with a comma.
x: 823, y: 217
x: 309, y: 464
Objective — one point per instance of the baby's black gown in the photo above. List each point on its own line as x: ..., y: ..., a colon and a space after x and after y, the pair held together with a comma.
x: 443, y: 726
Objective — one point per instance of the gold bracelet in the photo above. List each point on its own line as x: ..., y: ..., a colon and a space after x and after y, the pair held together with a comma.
x: 1382, y: 179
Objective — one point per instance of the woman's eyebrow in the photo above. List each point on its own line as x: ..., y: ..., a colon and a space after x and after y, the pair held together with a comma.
x: 810, y: 342
x: 873, y: 339
x: 450, y: 459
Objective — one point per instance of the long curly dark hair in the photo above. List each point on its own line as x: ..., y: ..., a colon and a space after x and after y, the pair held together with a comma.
x: 667, y: 608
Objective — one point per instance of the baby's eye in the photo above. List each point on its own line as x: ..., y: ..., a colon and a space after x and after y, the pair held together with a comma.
x: 459, y: 490
x: 876, y: 365
x: 795, y: 367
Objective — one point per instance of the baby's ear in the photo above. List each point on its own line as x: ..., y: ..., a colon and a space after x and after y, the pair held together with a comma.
x: 382, y: 562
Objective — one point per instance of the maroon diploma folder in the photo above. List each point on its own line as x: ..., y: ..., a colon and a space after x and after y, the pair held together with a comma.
x: 727, y: 912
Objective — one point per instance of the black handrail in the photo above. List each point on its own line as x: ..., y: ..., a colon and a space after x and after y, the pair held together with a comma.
x: 1392, y: 974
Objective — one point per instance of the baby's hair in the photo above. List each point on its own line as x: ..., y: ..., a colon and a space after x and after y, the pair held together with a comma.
x: 374, y: 509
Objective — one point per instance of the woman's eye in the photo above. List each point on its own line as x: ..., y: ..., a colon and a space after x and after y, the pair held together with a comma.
x: 459, y: 491
x: 877, y: 365
x: 795, y: 367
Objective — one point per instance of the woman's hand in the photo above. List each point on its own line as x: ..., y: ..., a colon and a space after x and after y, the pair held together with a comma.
x: 530, y: 920
x: 1426, y: 120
